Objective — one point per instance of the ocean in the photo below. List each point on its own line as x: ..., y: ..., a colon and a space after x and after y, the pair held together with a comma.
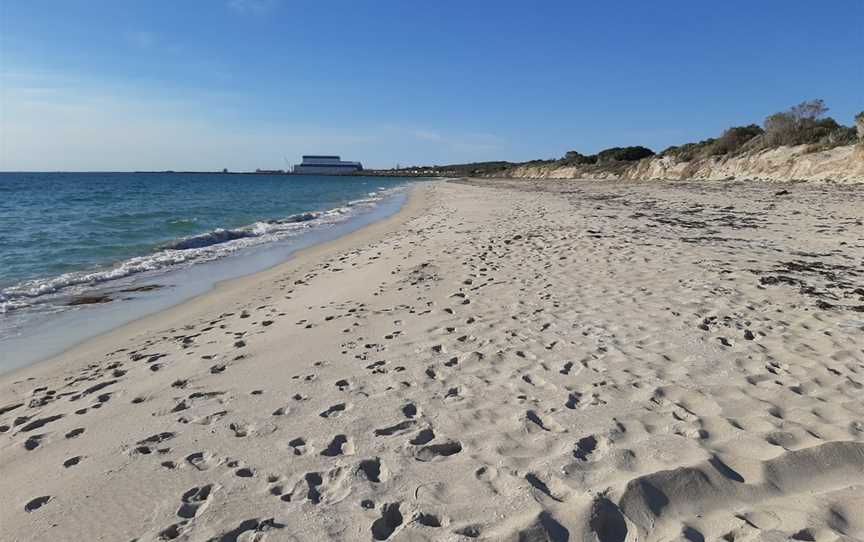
x: 66, y: 238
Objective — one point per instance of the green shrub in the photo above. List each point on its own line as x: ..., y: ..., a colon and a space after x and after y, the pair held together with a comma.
x: 577, y: 158
x: 804, y: 124
x: 690, y: 151
x: 859, y: 125
x: 623, y: 154
x: 614, y: 154
x: 734, y: 138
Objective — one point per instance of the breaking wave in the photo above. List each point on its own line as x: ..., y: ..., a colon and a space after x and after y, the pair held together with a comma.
x: 184, y: 251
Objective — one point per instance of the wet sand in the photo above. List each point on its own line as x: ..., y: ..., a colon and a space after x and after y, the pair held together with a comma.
x: 501, y: 360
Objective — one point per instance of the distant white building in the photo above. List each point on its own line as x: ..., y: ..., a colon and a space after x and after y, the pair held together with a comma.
x: 325, y: 165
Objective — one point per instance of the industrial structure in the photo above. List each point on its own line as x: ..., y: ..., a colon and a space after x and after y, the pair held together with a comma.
x: 325, y: 165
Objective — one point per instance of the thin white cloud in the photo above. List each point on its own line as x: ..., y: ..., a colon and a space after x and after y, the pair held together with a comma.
x: 427, y: 135
x: 255, y: 7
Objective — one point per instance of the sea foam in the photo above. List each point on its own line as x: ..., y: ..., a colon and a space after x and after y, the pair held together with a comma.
x: 184, y: 251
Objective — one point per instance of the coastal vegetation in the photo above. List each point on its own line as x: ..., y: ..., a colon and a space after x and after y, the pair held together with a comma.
x: 859, y: 125
x: 804, y: 124
x: 731, y: 141
x: 614, y: 154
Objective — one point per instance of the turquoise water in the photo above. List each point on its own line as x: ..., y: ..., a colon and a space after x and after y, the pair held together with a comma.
x: 64, y: 235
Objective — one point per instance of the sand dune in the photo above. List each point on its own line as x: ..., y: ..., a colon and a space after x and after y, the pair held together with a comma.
x: 503, y: 360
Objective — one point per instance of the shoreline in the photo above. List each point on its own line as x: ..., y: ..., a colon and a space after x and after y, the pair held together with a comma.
x: 500, y: 360
x: 186, y: 283
x: 296, y: 257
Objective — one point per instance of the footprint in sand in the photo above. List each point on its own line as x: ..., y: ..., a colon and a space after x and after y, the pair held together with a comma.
x: 239, y: 429
x: 533, y: 421
x: 299, y: 446
x: 432, y: 452
x: 386, y: 525
x: 245, y: 472
x: 37, y: 503
x: 428, y: 520
x: 585, y: 447
x: 340, y: 445
x: 424, y: 436
x: 72, y: 461
x: 395, y: 429
x: 41, y: 422
x: 410, y: 410
x: 373, y: 470
x: 334, y: 411
x: 194, y: 500
x: 205, y: 420
x: 254, y: 526
x: 33, y: 442
x: 551, y: 487
x: 145, y: 446
x: 172, y: 531
x: 573, y: 400
x: 201, y: 460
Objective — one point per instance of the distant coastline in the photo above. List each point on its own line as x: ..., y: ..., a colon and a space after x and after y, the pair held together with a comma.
x: 799, y: 144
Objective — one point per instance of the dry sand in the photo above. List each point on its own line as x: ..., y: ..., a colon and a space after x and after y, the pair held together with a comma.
x: 501, y: 361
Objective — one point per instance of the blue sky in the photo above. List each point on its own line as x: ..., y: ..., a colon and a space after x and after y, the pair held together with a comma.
x: 125, y: 85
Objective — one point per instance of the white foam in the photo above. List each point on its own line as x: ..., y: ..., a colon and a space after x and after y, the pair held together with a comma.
x: 185, y: 251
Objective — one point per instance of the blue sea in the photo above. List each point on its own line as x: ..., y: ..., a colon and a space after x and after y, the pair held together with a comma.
x: 64, y: 236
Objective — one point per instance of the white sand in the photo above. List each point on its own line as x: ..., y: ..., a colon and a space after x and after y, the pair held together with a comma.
x: 516, y: 361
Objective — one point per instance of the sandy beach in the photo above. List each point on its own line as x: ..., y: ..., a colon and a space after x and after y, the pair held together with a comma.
x: 501, y: 360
